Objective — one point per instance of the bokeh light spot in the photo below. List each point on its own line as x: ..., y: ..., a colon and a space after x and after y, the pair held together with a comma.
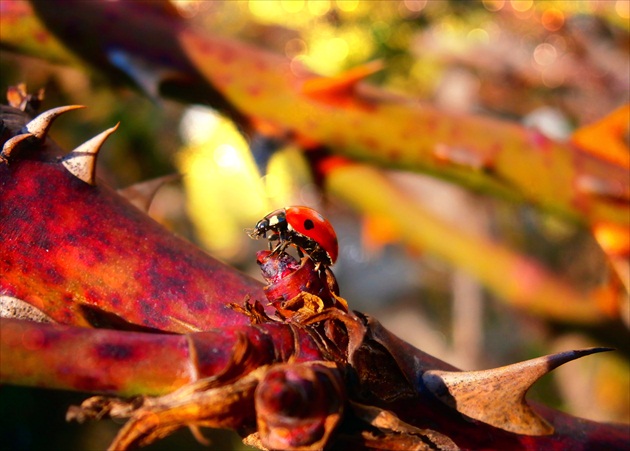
x: 33, y: 340
x: 292, y: 6
x: 326, y: 55
x: 187, y: 8
x: 559, y: 42
x: 622, y: 8
x: 318, y: 7
x: 545, y: 54
x: 347, y: 5
x: 295, y: 47
x: 521, y: 5
x: 493, y: 5
x: 337, y: 48
x: 478, y: 35
x: 415, y: 5
x: 265, y: 9
x: 552, y: 19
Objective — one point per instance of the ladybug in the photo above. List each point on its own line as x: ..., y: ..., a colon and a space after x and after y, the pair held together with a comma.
x: 303, y: 228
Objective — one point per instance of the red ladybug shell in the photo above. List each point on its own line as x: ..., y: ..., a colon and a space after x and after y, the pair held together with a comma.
x: 311, y: 224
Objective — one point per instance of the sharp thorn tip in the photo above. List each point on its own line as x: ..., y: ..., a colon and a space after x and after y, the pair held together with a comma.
x: 81, y: 162
x: 11, y: 144
x: 39, y: 126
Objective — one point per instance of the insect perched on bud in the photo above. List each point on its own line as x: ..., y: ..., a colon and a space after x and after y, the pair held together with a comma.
x: 303, y: 228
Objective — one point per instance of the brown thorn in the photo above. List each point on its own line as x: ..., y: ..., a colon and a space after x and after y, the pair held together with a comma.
x: 81, y: 162
x: 497, y: 396
x: 141, y: 194
x: 11, y: 307
x: 196, y: 432
x: 39, y: 126
x: 10, y: 146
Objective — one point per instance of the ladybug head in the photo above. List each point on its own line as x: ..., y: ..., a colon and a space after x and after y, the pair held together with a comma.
x: 259, y: 230
x: 262, y: 226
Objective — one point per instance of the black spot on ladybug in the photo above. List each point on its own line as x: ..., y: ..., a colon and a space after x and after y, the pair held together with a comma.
x: 308, y: 224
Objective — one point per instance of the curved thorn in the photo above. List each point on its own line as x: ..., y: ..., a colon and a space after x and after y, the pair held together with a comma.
x: 81, y: 162
x: 142, y: 194
x: 39, y: 126
x: 10, y: 145
x: 11, y: 307
x: 497, y: 396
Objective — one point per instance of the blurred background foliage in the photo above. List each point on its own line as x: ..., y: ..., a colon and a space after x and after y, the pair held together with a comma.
x: 556, y: 65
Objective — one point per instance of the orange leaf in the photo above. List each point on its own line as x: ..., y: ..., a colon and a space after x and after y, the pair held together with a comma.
x: 606, y: 137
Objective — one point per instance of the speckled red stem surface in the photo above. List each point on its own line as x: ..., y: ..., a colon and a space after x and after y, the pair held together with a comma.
x: 80, y: 252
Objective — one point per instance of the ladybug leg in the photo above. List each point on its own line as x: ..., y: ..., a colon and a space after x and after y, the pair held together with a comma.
x: 300, y: 253
x: 282, y: 239
x: 273, y: 237
x: 280, y: 247
x: 283, y: 236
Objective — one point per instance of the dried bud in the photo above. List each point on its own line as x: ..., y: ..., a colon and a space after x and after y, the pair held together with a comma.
x: 298, y: 406
x: 287, y: 278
